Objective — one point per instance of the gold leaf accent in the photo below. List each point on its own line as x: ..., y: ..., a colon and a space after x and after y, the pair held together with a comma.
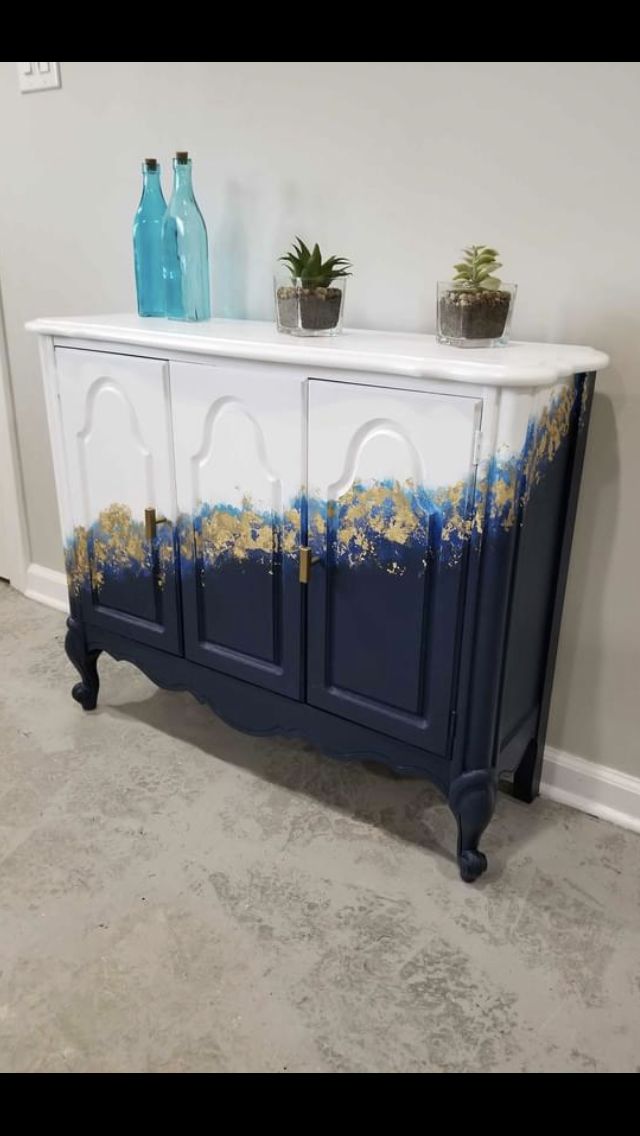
x: 364, y: 517
x: 550, y: 431
x: 115, y: 542
x: 236, y: 534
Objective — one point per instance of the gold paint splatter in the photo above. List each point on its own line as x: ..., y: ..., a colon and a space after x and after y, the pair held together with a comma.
x: 225, y: 532
x: 115, y: 542
x: 551, y: 429
x: 363, y: 518
x: 77, y: 560
x: 585, y: 394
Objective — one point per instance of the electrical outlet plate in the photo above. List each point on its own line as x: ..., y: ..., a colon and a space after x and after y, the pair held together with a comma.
x: 38, y: 76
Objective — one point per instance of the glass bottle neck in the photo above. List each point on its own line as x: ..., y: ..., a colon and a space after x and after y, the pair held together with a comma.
x: 182, y: 186
x: 151, y: 181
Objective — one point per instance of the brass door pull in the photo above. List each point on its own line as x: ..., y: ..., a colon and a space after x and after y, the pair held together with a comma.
x: 306, y: 561
x: 151, y: 521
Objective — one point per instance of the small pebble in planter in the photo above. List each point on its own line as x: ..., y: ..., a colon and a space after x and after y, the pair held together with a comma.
x: 475, y: 308
x: 309, y: 292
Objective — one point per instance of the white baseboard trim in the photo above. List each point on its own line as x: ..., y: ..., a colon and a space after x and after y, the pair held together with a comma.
x: 596, y: 789
x: 47, y: 587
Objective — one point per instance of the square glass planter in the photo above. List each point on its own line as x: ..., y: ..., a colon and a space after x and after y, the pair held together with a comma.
x: 479, y: 318
x: 308, y: 307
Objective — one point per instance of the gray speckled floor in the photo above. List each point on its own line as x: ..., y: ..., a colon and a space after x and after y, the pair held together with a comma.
x: 178, y: 897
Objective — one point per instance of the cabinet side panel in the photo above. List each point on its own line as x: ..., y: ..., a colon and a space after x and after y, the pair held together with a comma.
x: 544, y: 490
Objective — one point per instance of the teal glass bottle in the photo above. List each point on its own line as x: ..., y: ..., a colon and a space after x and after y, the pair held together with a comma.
x: 185, y: 249
x: 147, y: 242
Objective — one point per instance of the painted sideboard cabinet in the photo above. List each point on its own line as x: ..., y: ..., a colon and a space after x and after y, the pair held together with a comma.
x: 362, y: 541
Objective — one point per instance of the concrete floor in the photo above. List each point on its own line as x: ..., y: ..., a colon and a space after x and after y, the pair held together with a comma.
x: 178, y: 897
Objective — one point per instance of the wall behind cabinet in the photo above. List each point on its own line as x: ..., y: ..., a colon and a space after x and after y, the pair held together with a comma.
x: 396, y: 165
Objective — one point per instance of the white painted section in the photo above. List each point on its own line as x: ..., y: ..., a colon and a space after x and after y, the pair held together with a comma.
x: 56, y: 437
x: 236, y: 435
x: 598, y: 790
x: 47, y: 586
x: 116, y: 425
x: 514, y: 412
x: 372, y: 434
x: 38, y: 76
x: 394, y: 353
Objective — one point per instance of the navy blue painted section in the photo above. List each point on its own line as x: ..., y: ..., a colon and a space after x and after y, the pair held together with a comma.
x: 376, y: 630
x: 240, y: 609
x: 512, y: 748
x: 472, y: 798
x: 526, y: 781
x: 482, y: 657
x: 86, y: 691
x: 382, y: 644
x: 143, y: 604
x: 506, y: 656
x: 243, y: 617
x: 255, y: 710
x: 539, y: 541
x: 381, y: 648
x: 132, y: 593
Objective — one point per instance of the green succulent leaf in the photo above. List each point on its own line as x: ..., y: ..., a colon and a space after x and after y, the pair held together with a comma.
x: 304, y: 264
x: 302, y: 250
x: 486, y: 271
x: 477, y: 270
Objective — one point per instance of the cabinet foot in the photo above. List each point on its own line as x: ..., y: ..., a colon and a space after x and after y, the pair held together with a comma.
x: 472, y: 865
x: 526, y: 779
x: 472, y: 798
x: 85, y: 662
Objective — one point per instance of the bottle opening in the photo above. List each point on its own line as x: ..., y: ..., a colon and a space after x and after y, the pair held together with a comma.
x: 182, y: 157
x: 151, y: 163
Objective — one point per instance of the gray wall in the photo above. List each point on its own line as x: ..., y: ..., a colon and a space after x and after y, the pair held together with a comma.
x: 395, y: 165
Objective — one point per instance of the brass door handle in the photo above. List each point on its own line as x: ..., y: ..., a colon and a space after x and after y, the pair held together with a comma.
x: 306, y: 561
x: 151, y: 522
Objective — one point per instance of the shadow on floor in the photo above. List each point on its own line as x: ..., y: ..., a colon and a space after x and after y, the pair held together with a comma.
x: 408, y: 808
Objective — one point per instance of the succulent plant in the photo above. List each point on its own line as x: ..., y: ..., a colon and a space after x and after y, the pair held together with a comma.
x: 305, y: 265
x: 476, y: 272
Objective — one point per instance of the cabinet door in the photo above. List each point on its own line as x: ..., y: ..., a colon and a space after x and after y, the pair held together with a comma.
x: 391, y: 484
x: 117, y: 440
x: 238, y: 440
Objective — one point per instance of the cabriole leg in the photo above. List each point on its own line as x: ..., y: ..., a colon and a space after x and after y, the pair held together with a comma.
x: 472, y: 798
x: 85, y: 662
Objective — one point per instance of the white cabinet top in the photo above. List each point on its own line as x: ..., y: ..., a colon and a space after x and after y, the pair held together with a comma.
x: 389, y: 352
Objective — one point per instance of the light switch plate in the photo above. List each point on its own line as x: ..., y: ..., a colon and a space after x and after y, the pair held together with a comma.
x: 38, y: 76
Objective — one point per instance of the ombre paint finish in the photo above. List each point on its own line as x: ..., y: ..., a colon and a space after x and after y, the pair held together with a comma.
x: 437, y: 518
x: 388, y: 513
x: 239, y: 470
x: 117, y: 439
